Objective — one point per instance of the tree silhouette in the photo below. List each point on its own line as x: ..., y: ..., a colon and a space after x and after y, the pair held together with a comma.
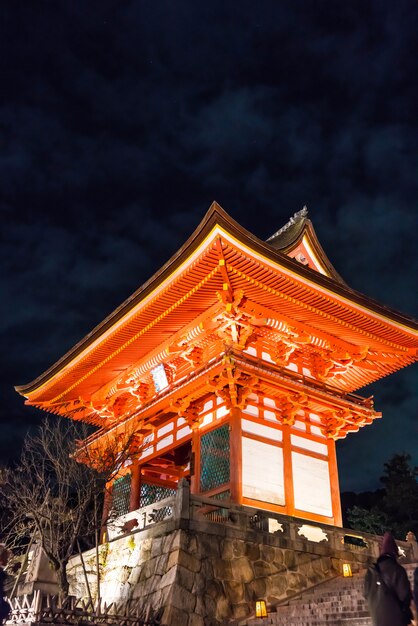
x: 52, y: 496
x: 397, y: 508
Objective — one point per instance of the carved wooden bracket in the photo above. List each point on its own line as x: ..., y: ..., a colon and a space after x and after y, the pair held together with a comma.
x: 233, y: 386
x: 289, y: 405
x: 333, y: 422
x: 190, y: 410
x: 235, y: 327
x: 193, y: 355
x: 328, y: 364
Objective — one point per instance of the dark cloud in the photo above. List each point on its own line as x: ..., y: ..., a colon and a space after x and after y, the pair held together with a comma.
x: 121, y: 122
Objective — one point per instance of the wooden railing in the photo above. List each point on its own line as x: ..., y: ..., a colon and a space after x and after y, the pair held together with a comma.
x: 49, y: 609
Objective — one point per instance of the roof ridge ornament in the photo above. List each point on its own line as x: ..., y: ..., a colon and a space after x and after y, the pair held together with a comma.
x: 296, y: 217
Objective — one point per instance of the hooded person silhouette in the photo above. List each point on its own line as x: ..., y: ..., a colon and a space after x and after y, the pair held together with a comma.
x: 387, y: 589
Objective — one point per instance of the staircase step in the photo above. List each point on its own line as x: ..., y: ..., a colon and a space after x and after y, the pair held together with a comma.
x: 337, y: 602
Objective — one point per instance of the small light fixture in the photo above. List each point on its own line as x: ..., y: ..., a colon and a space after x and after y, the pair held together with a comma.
x: 260, y: 609
x: 347, y: 570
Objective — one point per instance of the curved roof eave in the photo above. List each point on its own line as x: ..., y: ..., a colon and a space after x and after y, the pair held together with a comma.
x: 215, y: 216
x: 292, y: 234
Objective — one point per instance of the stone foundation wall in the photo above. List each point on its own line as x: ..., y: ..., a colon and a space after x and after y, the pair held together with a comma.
x: 196, y: 562
x: 200, y: 577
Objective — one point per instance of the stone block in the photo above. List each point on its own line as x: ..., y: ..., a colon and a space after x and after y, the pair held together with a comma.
x: 223, y: 609
x: 314, y: 577
x: 173, y: 558
x: 277, y: 567
x: 209, y: 545
x: 207, y: 569
x: 222, y: 569
x: 161, y: 564
x: 257, y: 589
x: 241, y: 611
x: 146, y: 546
x: 290, y: 559
x: 242, y: 570
x: 149, y: 568
x: 210, y: 607
x: 270, y: 554
x: 278, y: 554
x: 261, y: 569
x: 169, y: 577
x: 214, y: 589
x: 152, y: 584
x: 317, y: 564
x: 182, y: 599
x: 193, y: 545
x: 195, y: 620
x: 173, y: 541
x: 172, y: 616
x: 180, y: 557
x: 303, y: 558
x: 296, y: 582
x: 277, y: 584
x: 185, y: 578
x: 326, y: 564
x: 138, y: 591
x: 252, y: 551
x: 200, y: 605
x: 199, y: 583
x: 238, y: 548
x: 235, y: 591
x: 189, y: 561
x: 156, y: 548
x: 227, y: 549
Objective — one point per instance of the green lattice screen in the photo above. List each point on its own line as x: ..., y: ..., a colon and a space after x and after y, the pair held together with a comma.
x: 154, y: 493
x: 120, y: 494
x: 214, y: 458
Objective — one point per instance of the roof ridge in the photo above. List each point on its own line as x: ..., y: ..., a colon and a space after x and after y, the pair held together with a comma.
x: 296, y: 217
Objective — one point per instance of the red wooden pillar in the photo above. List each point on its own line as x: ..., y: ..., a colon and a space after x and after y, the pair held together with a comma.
x: 235, y: 443
x: 334, y: 483
x: 195, y: 462
x: 289, y: 493
x: 135, y: 495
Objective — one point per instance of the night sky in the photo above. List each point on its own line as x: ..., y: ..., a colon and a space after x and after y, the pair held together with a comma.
x: 121, y: 122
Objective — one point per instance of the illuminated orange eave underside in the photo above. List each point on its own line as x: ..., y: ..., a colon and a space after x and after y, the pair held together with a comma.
x: 219, y: 256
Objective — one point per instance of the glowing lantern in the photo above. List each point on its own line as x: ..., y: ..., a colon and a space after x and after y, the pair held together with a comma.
x: 347, y: 570
x: 260, y: 609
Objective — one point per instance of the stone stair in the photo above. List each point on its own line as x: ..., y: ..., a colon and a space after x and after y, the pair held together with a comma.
x: 338, y: 602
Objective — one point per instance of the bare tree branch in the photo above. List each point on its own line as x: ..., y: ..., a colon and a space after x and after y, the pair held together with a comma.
x: 53, y: 492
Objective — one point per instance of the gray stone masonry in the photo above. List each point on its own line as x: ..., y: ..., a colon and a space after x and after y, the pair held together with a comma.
x: 208, y: 562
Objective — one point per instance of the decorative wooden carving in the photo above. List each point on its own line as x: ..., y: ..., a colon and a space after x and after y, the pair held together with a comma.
x: 327, y: 364
x: 233, y: 386
x: 289, y: 405
x: 333, y: 421
x: 190, y: 410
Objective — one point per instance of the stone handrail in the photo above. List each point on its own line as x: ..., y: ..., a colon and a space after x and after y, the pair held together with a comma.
x: 184, y: 507
x: 142, y: 518
x: 294, y: 530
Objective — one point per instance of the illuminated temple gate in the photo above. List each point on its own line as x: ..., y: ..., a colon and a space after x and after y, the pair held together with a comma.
x: 235, y: 366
